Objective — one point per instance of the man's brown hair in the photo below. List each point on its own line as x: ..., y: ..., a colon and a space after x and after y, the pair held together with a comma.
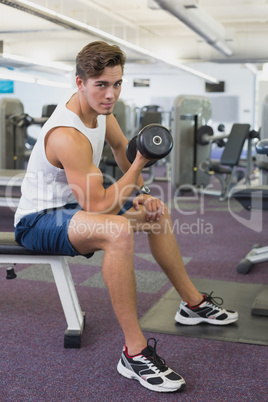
x: 94, y: 57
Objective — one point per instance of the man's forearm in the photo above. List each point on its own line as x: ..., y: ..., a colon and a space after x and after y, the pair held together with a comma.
x: 118, y: 193
x: 124, y: 166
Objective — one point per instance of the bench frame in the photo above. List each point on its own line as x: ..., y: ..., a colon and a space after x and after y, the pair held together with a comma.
x: 63, y: 279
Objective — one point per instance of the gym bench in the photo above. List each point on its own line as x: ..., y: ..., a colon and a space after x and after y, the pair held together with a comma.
x: 11, y: 253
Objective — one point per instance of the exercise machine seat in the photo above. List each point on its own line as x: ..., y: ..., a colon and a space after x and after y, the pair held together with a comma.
x: 225, y: 168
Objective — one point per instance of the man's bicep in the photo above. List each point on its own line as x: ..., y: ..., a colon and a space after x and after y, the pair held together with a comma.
x: 87, y: 186
x: 82, y: 175
x: 86, y: 182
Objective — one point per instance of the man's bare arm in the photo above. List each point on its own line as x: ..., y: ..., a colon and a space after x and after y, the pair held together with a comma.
x: 118, y: 143
x: 71, y: 150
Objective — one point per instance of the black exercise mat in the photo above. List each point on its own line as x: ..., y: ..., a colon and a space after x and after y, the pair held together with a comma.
x: 238, y: 296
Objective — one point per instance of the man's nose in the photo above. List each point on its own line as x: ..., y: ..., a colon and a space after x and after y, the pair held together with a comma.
x: 109, y: 92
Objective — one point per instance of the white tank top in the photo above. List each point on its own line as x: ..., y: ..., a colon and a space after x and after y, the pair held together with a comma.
x: 44, y: 185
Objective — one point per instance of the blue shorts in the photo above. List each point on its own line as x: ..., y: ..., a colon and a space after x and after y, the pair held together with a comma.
x: 47, y: 231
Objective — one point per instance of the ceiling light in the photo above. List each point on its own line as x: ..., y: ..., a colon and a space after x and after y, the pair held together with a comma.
x: 71, y: 23
x: 199, y: 21
x: 11, y: 75
x: 40, y: 81
x: 54, y: 65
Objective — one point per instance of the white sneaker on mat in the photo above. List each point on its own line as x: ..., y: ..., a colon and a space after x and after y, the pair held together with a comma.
x: 207, y: 311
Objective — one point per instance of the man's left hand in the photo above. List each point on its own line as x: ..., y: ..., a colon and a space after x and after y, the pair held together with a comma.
x: 154, y: 207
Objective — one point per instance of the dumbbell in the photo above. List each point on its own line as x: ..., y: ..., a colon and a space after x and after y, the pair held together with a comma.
x: 154, y: 142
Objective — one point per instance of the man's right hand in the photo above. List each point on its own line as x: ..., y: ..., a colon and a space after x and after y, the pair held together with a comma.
x: 140, y: 160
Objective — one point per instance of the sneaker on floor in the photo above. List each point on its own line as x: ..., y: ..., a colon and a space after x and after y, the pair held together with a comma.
x: 150, y: 370
x: 207, y: 311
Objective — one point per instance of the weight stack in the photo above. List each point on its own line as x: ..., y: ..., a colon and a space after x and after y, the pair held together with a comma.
x: 12, y: 139
x: 188, y: 114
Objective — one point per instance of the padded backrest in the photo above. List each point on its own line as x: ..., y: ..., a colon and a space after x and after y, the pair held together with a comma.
x: 234, y: 145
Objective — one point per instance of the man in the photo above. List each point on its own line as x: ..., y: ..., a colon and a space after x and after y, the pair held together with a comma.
x: 65, y: 208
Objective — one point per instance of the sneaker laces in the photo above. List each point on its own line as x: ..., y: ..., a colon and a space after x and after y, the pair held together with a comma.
x: 150, y: 353
x: 212, y: 300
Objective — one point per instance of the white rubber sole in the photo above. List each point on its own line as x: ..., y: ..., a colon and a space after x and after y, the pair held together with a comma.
x: 194, y: 321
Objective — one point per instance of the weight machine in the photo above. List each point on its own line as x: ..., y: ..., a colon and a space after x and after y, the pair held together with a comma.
x: 193, y: 139
x: 15, y: 145
x: 226, y: 170
x: 189, y: 113
x: 255, y: 197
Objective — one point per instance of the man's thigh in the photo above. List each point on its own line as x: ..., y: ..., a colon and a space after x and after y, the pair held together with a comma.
x: 90, y: 232
x: 47, y: 231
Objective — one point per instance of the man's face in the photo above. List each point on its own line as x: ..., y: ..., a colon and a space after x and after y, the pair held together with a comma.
x: 102, y: 92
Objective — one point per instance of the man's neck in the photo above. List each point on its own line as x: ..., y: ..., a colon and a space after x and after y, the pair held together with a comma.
x: 78, y: 106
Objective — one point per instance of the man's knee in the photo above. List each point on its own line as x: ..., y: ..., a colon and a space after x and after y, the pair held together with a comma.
x: 120, y: 232
x: 164, y: 224
x: 165, y: 216
x: 166, y: 212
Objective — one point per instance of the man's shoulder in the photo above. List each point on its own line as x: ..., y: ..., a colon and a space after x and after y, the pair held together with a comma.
x: 66, y: 145
x: 66, y: 136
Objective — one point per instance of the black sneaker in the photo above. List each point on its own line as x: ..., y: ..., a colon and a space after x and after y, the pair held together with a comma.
x: 207, y: 311
x: 150, y: 370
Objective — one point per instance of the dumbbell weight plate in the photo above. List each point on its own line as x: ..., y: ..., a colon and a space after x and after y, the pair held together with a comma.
x: 154, y: 141
x: 131, y: 151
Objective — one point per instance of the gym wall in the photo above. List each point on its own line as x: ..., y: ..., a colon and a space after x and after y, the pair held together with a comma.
x: 165, y: 83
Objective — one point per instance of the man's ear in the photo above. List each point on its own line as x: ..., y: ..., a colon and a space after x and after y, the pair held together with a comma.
x: 79, y: 83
